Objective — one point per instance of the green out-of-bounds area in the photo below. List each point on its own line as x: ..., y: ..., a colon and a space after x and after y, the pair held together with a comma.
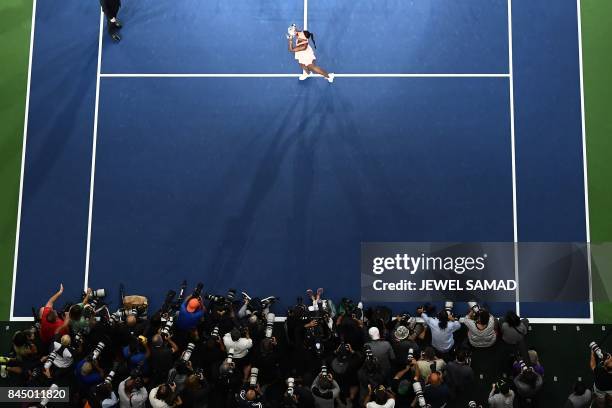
x: 597, y: 69
x: 16, y: 16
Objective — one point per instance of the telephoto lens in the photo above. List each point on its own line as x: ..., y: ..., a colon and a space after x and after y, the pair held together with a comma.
x: 167, y: 327
x: 290, y: 386
x: 448, y: 306
x: 50, y: 360
x: 52, y: 389
x: 95, y: 354
x: 98, y: 293
x: 186, y: 356
x: 215, y: 332
x: 198, y: 290
x: 253, y: 377
x: 269, y: 324
x: 418, y: 392
x: 324, y: 371
x: 111, y: 374
x: 596, y: 350
x: 410, y: 355
x: 474, y: 307
x: 231, y: 295
x: 472, y: 404
x: 522, y: 365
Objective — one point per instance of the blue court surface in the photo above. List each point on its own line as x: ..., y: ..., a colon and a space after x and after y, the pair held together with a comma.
x: 191, y: 151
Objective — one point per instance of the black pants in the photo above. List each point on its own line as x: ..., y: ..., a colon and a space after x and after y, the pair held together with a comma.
x: 110, y: 9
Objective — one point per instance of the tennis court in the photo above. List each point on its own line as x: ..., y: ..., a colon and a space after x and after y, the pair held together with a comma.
x: 191, y: 151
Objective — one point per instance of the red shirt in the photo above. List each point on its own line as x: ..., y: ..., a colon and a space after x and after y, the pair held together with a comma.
x: 47, y: 329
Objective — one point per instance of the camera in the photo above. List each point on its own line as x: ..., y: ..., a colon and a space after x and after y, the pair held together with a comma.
x: 369, y: 356
x: 448, y: 306
x: 324, y: 371
x: 167, y: 327
x: 418, y: 392
x: 522, y: 365
x: 45, y: 401
x: 253, y: 377
x: 269, y: 324
x: 186, y: 356
x: 95, y: 354
x: 227, y: 364
x: 597, y: 351
x: 474, y: 404
x: 50, y: 359
x: 97, y: 293
x: 111, y: 374
x: 410, y: 355
x: 198, y: 290
x: 215, y: 333
x: 78, y: 338
x: 290, y: 386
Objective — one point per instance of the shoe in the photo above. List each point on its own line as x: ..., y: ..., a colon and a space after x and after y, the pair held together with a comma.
x: 118, y: 24
x: 303, y: 77
x: 330, y: 79
x: 116, y: 37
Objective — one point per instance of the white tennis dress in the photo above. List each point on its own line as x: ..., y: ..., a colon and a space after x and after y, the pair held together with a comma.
x: 307, y: 56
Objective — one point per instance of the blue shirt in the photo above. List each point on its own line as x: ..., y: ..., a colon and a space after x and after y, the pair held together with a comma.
x: 187, y: 320
x: 441, y: 339
x: 90, y: 379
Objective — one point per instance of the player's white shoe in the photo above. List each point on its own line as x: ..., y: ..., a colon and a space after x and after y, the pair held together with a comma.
x: 330, y: 79
x: 304, y: 76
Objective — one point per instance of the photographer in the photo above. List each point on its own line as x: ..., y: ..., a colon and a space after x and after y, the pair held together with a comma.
x: 602, y: 371
x: 580, y: 398
x: 137, y: 353
x: 62, y: 358
x: 190, y: 314
x: 481, y: 328
x: 528, y: 383
x: 442, y: 329
x: 382, y: 350
x: 382, y: 398
x: 436, y: 392
x: 325, y: 390
x: 241, y: 343
x: 163, y: 350
x: 429, y: 363
x: 132, y: 393
x: 103, y: 396
x: 460, y: 376
x: 513, y: 329
x: 195, y: 394
x: 164, y: 396
x: 501, y: 396
x: 401, y: 384
x: 50, y: 322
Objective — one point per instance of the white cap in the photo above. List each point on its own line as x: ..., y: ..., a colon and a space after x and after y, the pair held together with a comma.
x: 374, y: 333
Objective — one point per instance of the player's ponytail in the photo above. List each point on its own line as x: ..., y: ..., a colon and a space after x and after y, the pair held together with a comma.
x: 310, y: 36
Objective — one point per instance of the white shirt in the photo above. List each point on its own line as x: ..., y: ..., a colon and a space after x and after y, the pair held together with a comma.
x: 389, y: 404
x: 156, y: 403
x: 241, y: 347
x: 64, y: 359
x: 137, y: 399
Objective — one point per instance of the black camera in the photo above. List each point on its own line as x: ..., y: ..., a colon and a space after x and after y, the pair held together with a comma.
x: 198, y: 290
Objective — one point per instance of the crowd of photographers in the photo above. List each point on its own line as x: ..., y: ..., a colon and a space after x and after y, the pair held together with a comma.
x: 202, y: 350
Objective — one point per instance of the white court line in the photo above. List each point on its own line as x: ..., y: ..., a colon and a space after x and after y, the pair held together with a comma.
x: 93, y: 154
x: 23, y: 157
x: 415, y: 75
x: 305, y: 14
x: 584, y: 159
x: 513, y: 146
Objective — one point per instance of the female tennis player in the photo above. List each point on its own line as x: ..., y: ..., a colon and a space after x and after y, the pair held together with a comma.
x: 305, y: 55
